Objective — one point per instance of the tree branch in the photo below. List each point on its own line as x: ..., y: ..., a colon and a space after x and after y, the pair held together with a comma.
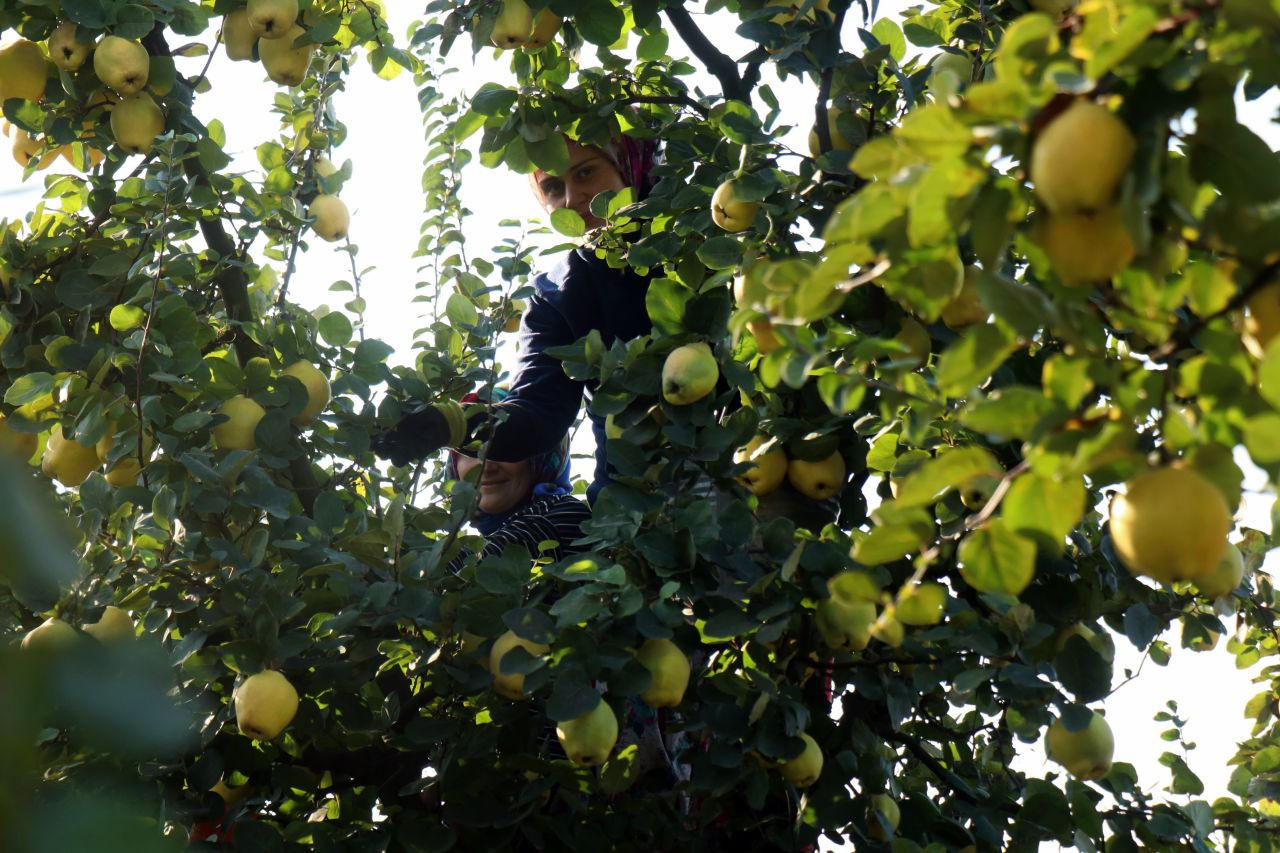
x: 721, y: 66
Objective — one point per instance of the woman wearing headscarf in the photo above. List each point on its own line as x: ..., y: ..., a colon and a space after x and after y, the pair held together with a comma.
x: 583, y: 293
x: 529, y: 502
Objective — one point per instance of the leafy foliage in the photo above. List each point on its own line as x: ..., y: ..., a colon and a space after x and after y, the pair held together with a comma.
x: 144, y: 292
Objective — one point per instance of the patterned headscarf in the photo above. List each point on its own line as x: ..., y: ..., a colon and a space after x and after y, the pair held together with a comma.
x: 635, y: 159
x: 550, y: 474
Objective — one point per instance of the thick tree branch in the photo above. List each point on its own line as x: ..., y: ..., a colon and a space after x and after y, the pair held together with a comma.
x: 721, y: 66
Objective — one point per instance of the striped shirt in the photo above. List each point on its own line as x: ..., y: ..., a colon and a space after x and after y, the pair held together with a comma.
x: 557, y: 519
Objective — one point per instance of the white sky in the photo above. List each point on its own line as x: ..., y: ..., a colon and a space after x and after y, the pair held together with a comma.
x: 387, y: 149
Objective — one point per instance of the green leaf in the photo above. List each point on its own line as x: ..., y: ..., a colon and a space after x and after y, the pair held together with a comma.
x: 1237, y: 160
x: 1043, y: 508
x: 571, y: 696
x: 907, y: 533
x: 1262, y: 438
x: 550, y: 154
x: 599, y: 21
x: 934, y: 130
x: 996, y: 559
x: 460, y: 311
x: 727, y: 624
x: 968, y: 362
x: 1209, y: 288
x: 1083, y: 670
x: 665, y: 301
x: 532, y: 625
x: 887, y: 32
x: 493, y: 100
x: 952, y: 468
x: 1105, y: 45
x: 568, y: 222
x: 1009, y: 413
x: 335, y: 328
x: 720, y: 253
x: 925, y: 280
x: 28, y: 388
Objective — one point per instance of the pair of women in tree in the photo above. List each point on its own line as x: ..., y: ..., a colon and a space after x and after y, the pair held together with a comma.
x: 524, y: 485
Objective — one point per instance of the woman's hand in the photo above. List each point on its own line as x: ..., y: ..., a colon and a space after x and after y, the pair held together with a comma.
x: 416, y: 435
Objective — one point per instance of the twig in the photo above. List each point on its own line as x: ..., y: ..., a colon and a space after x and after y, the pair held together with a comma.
x: 721, y: 66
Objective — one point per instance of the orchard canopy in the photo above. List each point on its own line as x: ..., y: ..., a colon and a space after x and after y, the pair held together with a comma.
x: 1006, y: 326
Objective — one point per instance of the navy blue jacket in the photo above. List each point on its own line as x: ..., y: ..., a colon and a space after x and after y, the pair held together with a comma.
x: 582, y: 293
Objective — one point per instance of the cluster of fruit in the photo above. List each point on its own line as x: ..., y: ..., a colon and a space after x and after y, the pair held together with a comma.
x: 70, y: 462
x: 269, y: 31
x: 517, y: 26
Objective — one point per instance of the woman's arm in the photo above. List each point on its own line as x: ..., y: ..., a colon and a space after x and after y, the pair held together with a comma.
x: 539, y: 408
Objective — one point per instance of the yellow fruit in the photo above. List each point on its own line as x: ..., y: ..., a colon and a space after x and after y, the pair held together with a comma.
x: 966, y: 309
x: 125, y: 472
x: 511, y: 685
x: 238, y: 36
x: 136, y: 122
x: 883, y: 806
x: 49, y: 637
x: 27, y: 148
x: 324, y: 168
x: 122, y: 64
x: 817, y: 480
x: 766, y: 339
x: 803, y: 770
x: 19, y: 444
x: 839, y: 142
x: 670, y: 670
x: 286, y: 64
x: 1079, y: 159
x: 1225, y: 575
x: 1085, y: 248
x: 66, y: 51
x: 916, y: 338
x: 513, y: 322
x: 768, y: 469
x: 1170, y: 524
x: 1086, y: 754
x: 730, y: 212
x: 115, y: 624
x: 689, y: 374
x: 331, y: 217
x: 265, y: 703
x: 317, y: 386
x: 272, y: 19
x: 67, y: 461
x: 588, y: 740
x: 545, y: 27
x: 1262, y: 319
x: 23, y: 71
x: 513, y: 26
x: 236, y: 433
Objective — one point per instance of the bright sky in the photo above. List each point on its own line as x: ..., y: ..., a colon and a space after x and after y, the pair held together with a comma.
x: 387, y: 149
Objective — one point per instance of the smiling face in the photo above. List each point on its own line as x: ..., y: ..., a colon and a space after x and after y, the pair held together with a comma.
x: 590, y: 173
x: 503, y: 485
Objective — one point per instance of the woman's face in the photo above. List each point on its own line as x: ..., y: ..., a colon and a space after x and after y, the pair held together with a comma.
x: 590, y: 173
x: 503, y: 485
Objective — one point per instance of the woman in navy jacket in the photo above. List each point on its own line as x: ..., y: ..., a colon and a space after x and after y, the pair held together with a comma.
x: 580, y: 294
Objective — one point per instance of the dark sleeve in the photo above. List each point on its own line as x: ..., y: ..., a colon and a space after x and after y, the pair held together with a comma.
x: 542, y: 401
x: 556, y: 519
